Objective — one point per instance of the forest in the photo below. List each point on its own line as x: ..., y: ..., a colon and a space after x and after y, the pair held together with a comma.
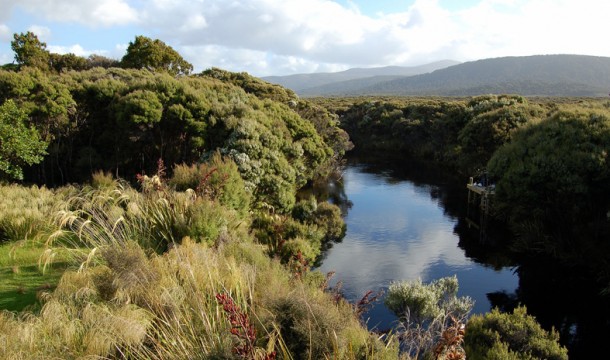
x: 148, y: 212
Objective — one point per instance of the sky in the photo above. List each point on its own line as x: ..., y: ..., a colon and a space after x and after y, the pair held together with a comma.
x: 281, y: 37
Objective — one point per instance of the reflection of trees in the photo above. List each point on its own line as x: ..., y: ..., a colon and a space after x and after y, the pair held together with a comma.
x: 489, y: 248
x: 562, y: 296
x: 330, y: 189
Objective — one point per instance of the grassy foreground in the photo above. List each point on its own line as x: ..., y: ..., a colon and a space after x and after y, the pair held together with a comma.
x: 142, y: 285
x: 21, y: 277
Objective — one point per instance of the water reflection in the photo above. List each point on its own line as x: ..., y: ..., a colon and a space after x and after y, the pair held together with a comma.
x: 409, y: 221
x: 400, y: 229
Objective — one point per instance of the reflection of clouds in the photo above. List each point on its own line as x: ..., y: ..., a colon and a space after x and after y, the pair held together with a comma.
x: 368, y: 263
x: 396, y: 231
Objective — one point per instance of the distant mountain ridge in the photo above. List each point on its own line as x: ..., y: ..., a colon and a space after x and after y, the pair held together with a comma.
x: 538, y: 75
x: 301, y: 82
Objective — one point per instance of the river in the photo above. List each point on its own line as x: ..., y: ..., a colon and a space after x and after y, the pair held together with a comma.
x: 406, y: 221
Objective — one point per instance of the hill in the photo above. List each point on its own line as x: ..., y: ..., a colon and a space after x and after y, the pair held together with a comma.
x: 301, y: 82
x: 542, y: 75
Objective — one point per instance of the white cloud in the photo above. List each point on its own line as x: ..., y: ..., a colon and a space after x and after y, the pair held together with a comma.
x: 5, y: 58
x: 283, y: 36
x: 85, y: 12
x: 42, y: 32
x: 76, y: 49
x: 5, y: 33
x: 254, y: 61
x: 520, y: 27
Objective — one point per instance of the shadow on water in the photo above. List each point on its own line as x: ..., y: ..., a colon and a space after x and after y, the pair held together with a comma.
x: 559, y: 296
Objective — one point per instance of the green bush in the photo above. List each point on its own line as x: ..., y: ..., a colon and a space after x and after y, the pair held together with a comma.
x: 497, y: 335
x: 185, y: 177
x: 329, y: 218
x: 210, y: 222
x: 428, y: 313
x: 20, y: 145
x: 555, y: 175
x: 325, y: 216
x: 217, y: 179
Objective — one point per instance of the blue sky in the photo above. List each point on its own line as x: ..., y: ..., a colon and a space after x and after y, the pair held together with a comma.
x: 277, y: 37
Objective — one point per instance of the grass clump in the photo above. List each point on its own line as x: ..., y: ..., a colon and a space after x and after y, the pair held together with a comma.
x: 26, y: 212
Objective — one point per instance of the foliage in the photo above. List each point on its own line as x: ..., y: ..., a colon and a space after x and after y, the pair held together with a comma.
x: 123, y: 120
x: 95, y: 60
x: 217, y: 179
x: 19, y: 145
x: 126, y: 301
x: 555, y: 174
x: 47, y: 102
x: 67, y: 62
x: 154, y: 55
x: 326, y: 216
x: 29, y: 51
x: 493, y: 121
x: 499, y: 335
x: 427, y: 312
x: 252, y: 85
x: 420, y: 128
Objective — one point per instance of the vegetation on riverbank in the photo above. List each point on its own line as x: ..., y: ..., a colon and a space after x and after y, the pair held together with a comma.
x: 164, y: 274
x: 199, y: 247
x: 547, y: 158
x: 186, y: 236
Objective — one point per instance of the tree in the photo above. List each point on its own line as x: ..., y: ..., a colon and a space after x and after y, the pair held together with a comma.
x: 19, y: 145
x: 155, y: 55
x: 556, y: 173
x: 95, y: 60
x: 29, y: 51
x: 494, y: 120
x: 68, y: 61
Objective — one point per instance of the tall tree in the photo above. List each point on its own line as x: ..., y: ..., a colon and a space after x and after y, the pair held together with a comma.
x: 19, y: 145
x: 29, y: 51
x: 155, y: 55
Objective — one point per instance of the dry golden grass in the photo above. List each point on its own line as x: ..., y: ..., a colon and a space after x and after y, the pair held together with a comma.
x: 126, y: 299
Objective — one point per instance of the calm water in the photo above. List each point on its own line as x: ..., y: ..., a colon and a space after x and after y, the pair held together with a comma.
x: 398, y: 229
x: 407, y: 221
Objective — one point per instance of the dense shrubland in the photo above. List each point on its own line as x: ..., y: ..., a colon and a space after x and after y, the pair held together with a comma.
x: 186, y: 237
x: 461, y: 133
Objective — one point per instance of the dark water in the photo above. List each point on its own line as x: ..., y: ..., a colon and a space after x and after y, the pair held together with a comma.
x: 406, y: 221
x: 399, y: 229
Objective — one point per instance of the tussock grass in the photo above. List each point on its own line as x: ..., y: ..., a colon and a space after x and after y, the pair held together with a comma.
x: 151, y: 268
x: 26, y: 213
